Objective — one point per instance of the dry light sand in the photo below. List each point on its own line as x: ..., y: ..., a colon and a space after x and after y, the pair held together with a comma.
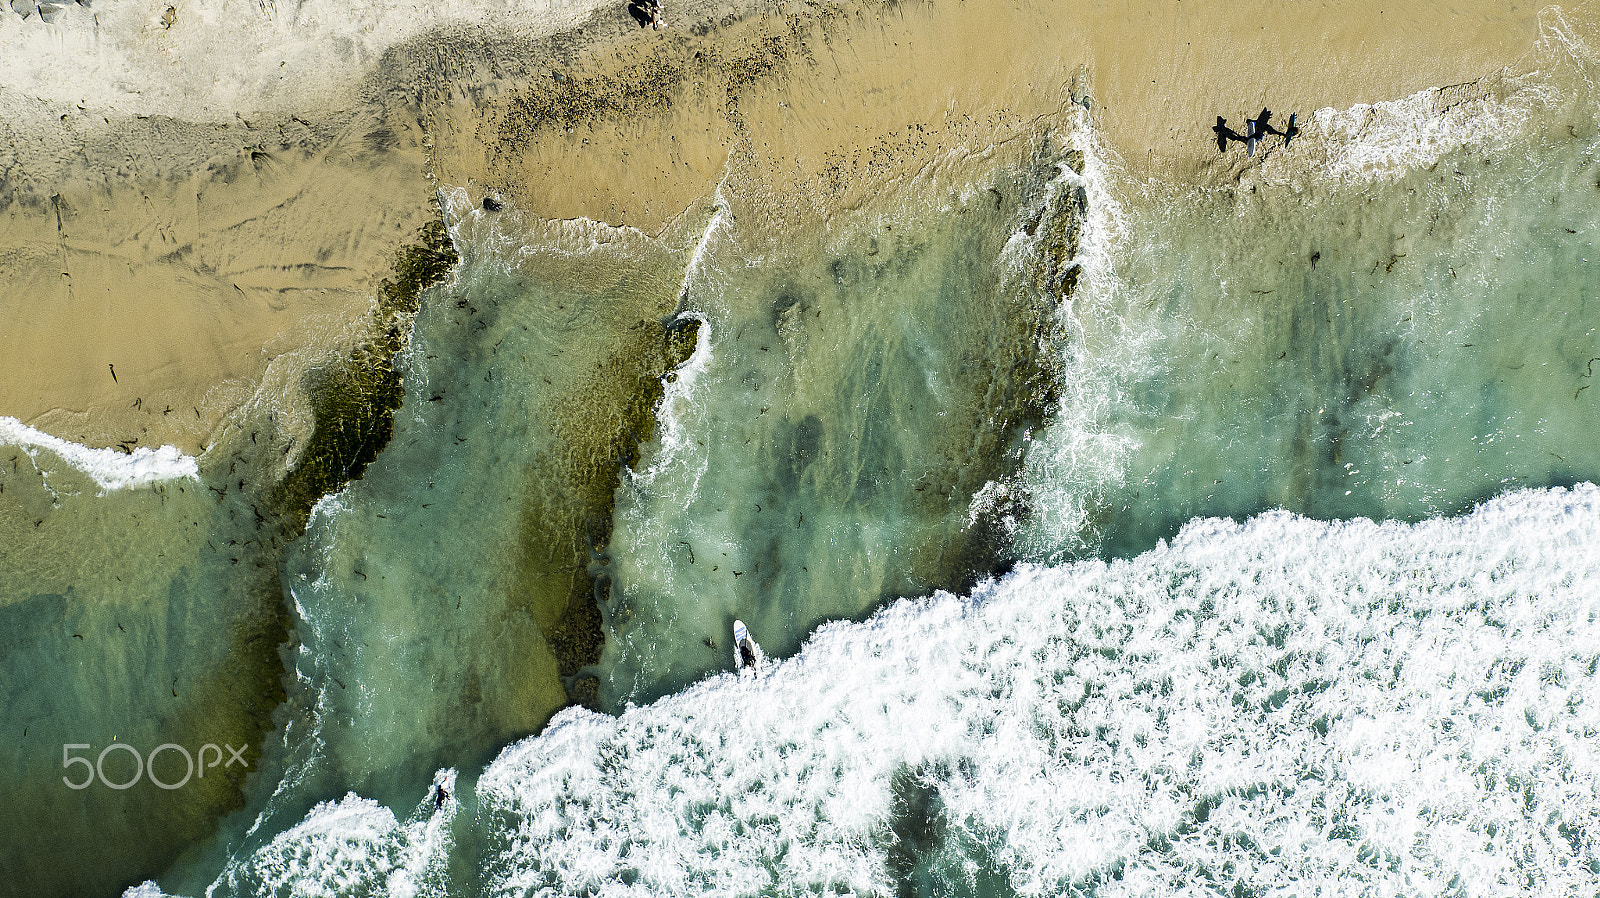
x: 192, y: 231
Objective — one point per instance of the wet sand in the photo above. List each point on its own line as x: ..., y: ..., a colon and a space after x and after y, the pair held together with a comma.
x: 831, y: 103
x: 1164, y: 71
x: 186, y: 281
x: 191, y: 255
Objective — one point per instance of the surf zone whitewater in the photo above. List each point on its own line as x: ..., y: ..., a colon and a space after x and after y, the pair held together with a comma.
x: 1104, y: 536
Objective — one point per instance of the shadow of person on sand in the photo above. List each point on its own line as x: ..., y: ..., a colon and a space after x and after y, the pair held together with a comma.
x: 1225, y: 134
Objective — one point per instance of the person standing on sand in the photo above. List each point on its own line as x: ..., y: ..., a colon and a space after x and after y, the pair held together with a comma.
x: 647, y: 12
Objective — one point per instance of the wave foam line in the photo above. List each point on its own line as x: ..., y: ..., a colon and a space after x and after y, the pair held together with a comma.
x: 1282, y: 704
x: 110, y: 469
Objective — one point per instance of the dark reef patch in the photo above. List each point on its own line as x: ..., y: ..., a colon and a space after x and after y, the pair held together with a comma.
x: 926, y: 852
x: 1016, y: 392
x: 567, y: 523
x: 353, y: 402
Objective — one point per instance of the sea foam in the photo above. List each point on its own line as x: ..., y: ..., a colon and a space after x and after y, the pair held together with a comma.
x: 110, y: 469
x: 1382, y: 141
x: 1281, y: 705
x: 1277, y: 705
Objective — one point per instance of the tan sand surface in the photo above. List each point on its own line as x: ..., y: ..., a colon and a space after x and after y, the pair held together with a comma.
x: 629, y: 127
x: 189, y: 256
x: 186, y: 280
x: 1163, y: 71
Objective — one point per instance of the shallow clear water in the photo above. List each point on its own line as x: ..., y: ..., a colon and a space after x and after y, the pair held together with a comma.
x: 139, y: 617
x: 822, y: 447
x: 1167, y: 648
x: 424, y: 639
x: 1397, y: 349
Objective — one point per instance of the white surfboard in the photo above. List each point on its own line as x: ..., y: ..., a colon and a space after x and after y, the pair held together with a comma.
x: 751, y: 664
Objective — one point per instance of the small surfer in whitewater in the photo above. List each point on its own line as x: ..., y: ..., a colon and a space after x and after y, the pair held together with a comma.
x: 747, y: 654
x: 440, y: 796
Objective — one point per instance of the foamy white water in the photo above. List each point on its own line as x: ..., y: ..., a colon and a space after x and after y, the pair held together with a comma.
x: 357, y: 846
x: 1285, y: 705
x: 110, y: 469
x: 1381, y: 141
x: 1282, y: 705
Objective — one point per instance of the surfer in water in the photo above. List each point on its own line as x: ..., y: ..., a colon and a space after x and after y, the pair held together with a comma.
x: 749, y: 656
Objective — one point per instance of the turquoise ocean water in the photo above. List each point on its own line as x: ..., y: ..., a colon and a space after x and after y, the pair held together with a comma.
x: 1111, y: 536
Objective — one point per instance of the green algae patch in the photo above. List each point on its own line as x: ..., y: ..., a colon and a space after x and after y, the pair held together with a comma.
x: 416, y: 268
x: 353, y: 402
x: 567, y: 531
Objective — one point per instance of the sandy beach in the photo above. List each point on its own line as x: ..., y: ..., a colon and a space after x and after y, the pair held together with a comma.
x: 783, y: 313
x: 184, y: 260
x: 188, y: 253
